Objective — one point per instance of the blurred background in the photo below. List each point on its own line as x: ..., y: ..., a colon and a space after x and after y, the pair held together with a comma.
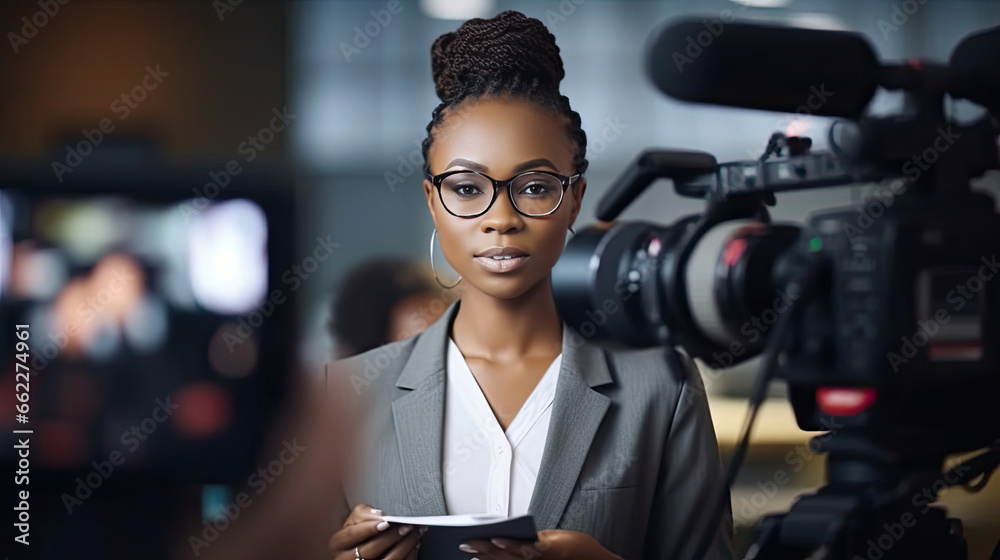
x: 150, y: 136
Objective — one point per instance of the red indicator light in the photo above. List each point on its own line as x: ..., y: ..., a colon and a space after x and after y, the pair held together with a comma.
x: 845, y: 401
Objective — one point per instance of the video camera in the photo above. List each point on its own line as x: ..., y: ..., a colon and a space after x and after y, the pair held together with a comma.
x: 882, y: 317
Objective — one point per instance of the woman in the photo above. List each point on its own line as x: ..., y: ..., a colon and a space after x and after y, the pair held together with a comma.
x: 499, y: 407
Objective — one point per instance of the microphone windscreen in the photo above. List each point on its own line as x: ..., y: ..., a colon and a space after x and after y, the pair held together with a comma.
x: 975, y: 65
x: 818, y: 72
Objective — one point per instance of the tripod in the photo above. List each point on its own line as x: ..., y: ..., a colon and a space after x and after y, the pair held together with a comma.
x: 876, y: 506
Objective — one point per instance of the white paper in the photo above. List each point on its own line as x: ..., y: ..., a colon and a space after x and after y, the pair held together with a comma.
x: 465, y: 520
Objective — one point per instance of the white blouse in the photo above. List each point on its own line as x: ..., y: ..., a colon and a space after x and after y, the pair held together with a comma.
x: 487, y: 470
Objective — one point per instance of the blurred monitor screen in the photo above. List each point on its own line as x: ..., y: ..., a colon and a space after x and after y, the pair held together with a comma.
x: 146, y: 324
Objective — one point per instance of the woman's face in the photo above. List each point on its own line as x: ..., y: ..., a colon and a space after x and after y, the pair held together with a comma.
x: 502, y: 138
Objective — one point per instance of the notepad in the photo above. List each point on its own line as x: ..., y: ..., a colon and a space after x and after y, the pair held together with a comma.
x: 446, y: 532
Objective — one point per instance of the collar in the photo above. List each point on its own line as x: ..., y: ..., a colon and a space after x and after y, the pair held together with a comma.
x: 430, y: 350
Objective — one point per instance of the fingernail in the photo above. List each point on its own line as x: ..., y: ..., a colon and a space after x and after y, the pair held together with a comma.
x: 376, y: 511
x: 498, y: 544
x: 466, y: 548
x: 423, y: 530
x: 405, y: 529
x: 382, y: 526
x: 418, y: 546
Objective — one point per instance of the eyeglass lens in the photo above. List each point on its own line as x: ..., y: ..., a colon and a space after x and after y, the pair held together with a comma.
x: 470, y: 193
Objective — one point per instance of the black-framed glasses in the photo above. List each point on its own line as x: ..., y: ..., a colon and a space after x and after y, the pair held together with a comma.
x: 533, y: 193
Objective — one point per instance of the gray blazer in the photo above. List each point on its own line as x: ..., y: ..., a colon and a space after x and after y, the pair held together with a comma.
x: 630, y: 454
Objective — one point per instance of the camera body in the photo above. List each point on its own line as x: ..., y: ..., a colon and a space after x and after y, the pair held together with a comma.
x: 905, y: 306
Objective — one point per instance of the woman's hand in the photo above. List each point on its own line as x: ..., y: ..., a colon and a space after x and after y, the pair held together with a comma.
x: 552, y: 544
x: 375, y: 538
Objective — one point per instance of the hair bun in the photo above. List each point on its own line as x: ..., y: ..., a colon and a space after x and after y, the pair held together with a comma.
x: 509, y: 47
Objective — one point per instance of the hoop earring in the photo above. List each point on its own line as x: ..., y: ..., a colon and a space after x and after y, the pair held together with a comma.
x: 433, y: 235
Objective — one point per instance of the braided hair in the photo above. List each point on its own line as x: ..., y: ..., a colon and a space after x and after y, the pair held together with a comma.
x: 509, y: 55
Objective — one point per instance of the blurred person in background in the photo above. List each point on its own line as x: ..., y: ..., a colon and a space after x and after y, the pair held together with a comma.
x: 382, y: 301
x: 610, y: 451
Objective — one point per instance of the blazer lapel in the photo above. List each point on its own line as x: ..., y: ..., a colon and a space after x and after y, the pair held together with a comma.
x: 577, y: 412
x: 576, y: 416
x: 419, y: 417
